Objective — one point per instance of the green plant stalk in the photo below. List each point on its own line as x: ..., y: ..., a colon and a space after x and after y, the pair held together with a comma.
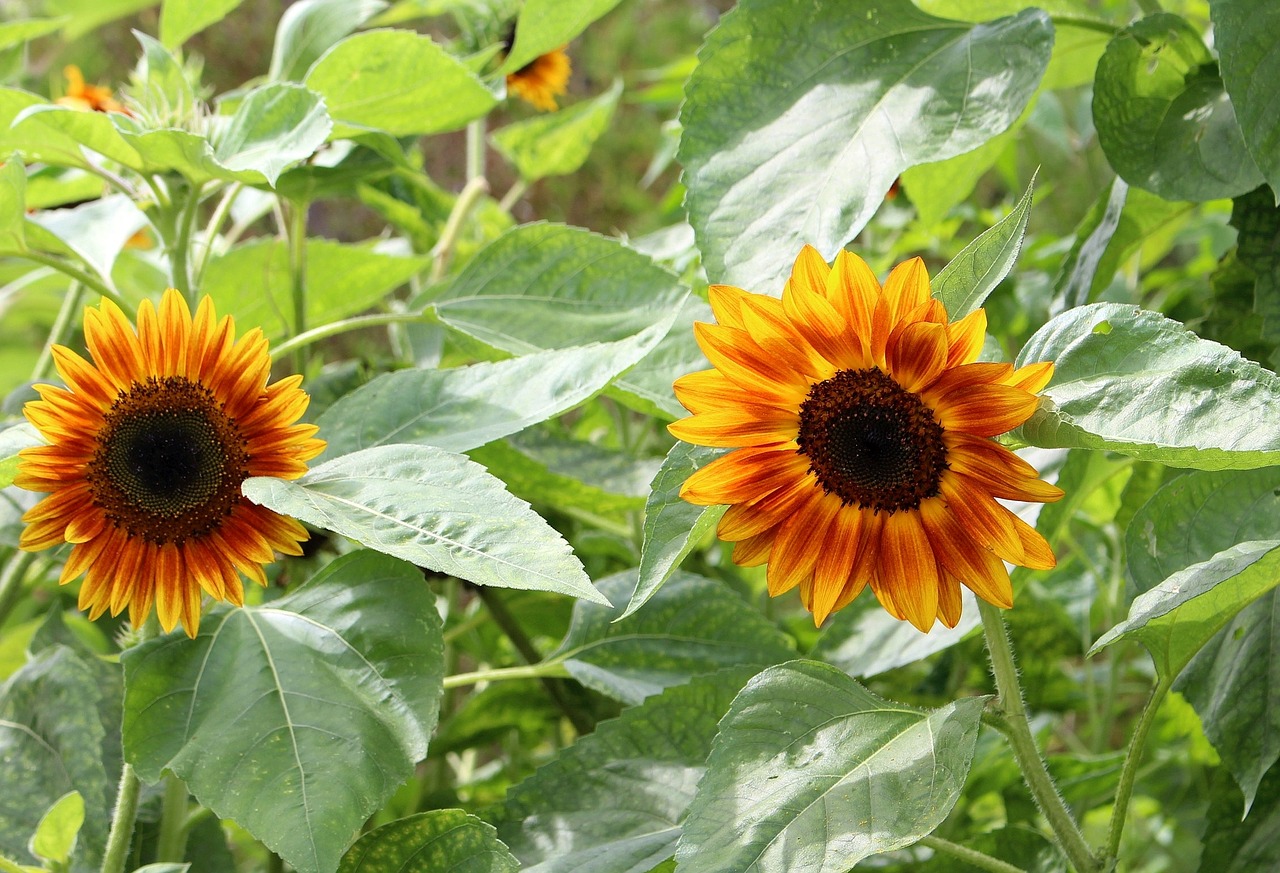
x: 443, y: 251
x: 126, y: 811
x: 1150, y: 7
x: 969, y: 856
x: 58, y: 334
x: 171, y: 845
x: 1129, y: 772
x: 180, y: 254
x: 475, y: 149
x: 344, y: 325
x: 298, y: 271
x: 1025, y: 751
x: 544, y: 670
x: 220, y: 213
x: 84, y: 278
x: 12, y: 578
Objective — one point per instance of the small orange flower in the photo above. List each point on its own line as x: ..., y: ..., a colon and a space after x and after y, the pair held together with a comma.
x: 90, y: 98
x: 147, y: 448
x: 541, y: 80
x: 861, y: 423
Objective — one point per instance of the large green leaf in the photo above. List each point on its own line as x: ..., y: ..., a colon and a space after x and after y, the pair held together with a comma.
x: 546, y: 25
x: 973, y: 274
x: 253, y: 282
x: 1245, y: 34
x: 21, y: 30
x: 95, y: 231
x: 308, y: 28
x: 13, y: 213
x: 647, y: 385
x: 465, y: 407
x: 13, y: 440
x: 1177, y: 617
x: 614, y: 800
x: 799, y: 116
x: 275, y: 126
x: 56, y: 834
x: 1135, y: 382
x: 547, y: 286
x: 1163, y: 118
x: 52, y: 742
x: 692, y: 625
x: 1236, y: 844
x: 297, y: 719
x: 1229, y: 681
x: 812, y: 772
x: 436, y: 509
x: 863, y: 639
x: 45, y: 131
x: 180, y: 19
x: 85, y: 16
x: 443, y: 839
x: 557, y: 143
x: 396, y: 81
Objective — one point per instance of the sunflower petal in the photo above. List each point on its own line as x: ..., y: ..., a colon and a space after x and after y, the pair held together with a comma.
x: 909, y: 566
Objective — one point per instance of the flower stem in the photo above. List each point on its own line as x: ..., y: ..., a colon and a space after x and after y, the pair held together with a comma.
x: 1129, y: 772
x: 180, y: 256
x: 70, y: 303
x: 216, y: 220
x: 1034, y: 772
x: 475, y: 149
x: 544, y: 670
x: 443, y: 251
x: 12, y: 578
x: 344, y: 325
x: 970, y: 856
x: 171, y: 845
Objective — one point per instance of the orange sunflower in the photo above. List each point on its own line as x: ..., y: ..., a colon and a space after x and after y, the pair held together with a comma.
x: 148, y: 446
x: 861, y: 423
x: 542, y: 80
x: 91, y: 98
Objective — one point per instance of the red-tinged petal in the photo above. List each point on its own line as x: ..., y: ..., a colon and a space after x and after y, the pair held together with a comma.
x: 175, y: 333
x: 833, y: 572
x: 981, y: 517
x: 1037, y: 555
x: 783, y: 344
x: 965, y: 558
x: 751, y: 426
x: 965, y: 338
x: 985, y: 410
x: 906, y: 288
x: 909, y: 567
x: 726, y: 304
x: 799, y: 541
x: 825, y: 329
x: 744, y: 475
x: 950, y: 606
x: 753, y: 551
x: 1032, y: 377
x: 917, y: 355
x: 746, y: 520
x: 738, y: 357
x: 998, y: 471
x: 709, y: 390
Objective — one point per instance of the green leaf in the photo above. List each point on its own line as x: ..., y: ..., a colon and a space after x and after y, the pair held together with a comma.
x: 1245, y: 35
x: 85, y: 16
x: 180, y: 19
x: 567, y: 817
x: 692, y: 625
x: 52, y: 740
x: 1135, y: 382
x: 546, y: 25
x: 95, y: 231
x: 267, y: 704
x: 253, y: 282
x: 444, y: 839
x: 55, y: 836
x: 1241, y: 844
x: 964, y: 283
x: 275, y: 126
x: 1178, y: 616
x: 31, y: 130
x: 812, y: 771
x: 22, y: 30
x: 1163, y: 117
x: 647, y: 386
x: 308, y: 28
x: 1228, y: 682
x: 163, y: 88
x: 557, y: 143
x: 399, y: 82
x: 13, y: 212
x: 788, y: 96
x: 672, y: 527
x: 864, y: 640
x: 433, y: 508
x: 465, y: 407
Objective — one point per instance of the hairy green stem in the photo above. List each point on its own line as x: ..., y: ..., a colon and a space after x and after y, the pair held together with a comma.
x: 1034, y: 772
x: 969, y: 856
x: 12, y: 578
x: 344, y: 325
x: 171, y: 845
x: 544, y: 670
x: 66, y: 314
x: 126, y: 811
x: 443, y: 251
x: 1129, y: 772
x: 84, y: 278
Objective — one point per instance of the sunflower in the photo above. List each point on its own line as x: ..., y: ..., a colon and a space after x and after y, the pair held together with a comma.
x: 541, y: 80
x: 860, y: 421
x: 90, y: 98
x: 148, y: 445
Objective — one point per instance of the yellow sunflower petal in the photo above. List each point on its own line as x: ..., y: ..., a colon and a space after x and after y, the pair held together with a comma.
x: 963, y: 557
x: 1032, y: 377
x: 917, y: 355
x: 985, y: 410
x: 741, y: 475
x: 809, y: 273
x: 799, y: 541
x: 950, y: 606
x: 833, y: 573
x: 965, y: 338
x: 909, y: 566
x: 906, y: 288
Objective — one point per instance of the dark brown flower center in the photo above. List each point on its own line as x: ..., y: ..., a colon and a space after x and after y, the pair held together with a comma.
x: 169, y: 461
x: 871, y: 442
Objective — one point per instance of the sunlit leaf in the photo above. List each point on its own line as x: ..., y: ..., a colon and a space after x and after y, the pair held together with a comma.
x: 275, y: 126
x: 309, y: 27
x: 692, y: 625
x: 299, y: 718
x: 95, y: 231
x: 567, y: 817
x: 557, y: 143
x: 1135, y: 382
x: 1245, y: 35
x: 1163, y: 118
x: 19, y: 31
x: 546, y: 25
x: 784, y: 104
x: 180, y: 19
x: 56, y: 834
x: 810, y: 771
x: 13, y: 213
x: 964, y: 283
x: 435, y: 509
x: 85, y: 16
x: 443, y: 839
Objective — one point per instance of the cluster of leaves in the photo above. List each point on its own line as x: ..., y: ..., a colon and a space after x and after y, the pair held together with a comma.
x: 503, y: 432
